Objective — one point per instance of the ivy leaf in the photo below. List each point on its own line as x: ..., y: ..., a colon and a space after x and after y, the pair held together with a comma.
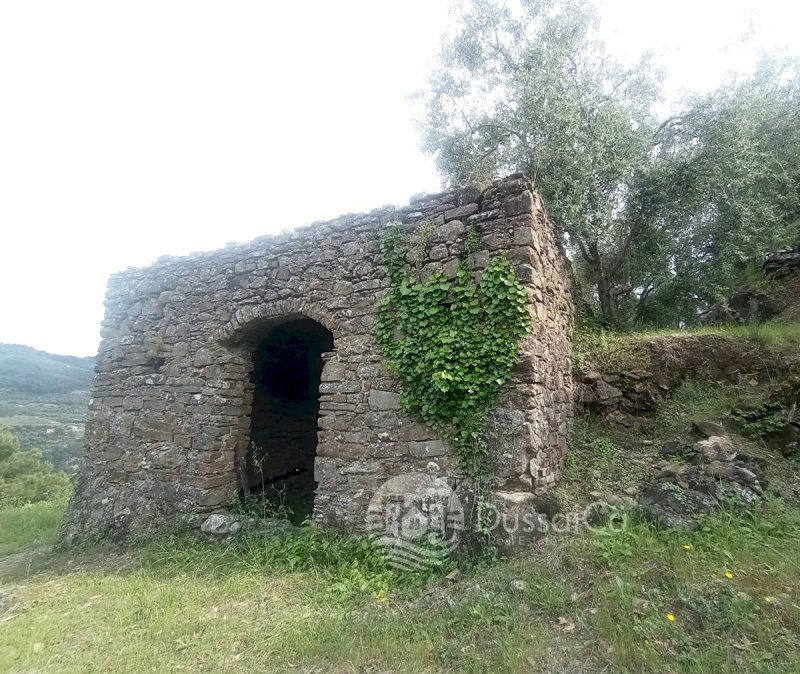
x: 453, y: 342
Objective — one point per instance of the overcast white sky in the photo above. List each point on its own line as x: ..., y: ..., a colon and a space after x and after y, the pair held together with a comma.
x: 130, y: 130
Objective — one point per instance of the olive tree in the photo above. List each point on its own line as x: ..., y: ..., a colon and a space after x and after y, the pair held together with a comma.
x: 533, y: 90
x: 660, y: 216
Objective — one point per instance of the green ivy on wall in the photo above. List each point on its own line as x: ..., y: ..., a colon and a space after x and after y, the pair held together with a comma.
x: 453, y: 342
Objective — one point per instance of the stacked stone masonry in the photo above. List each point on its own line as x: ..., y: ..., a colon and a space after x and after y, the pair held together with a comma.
x: 169, y: 419
x: 782, y: 262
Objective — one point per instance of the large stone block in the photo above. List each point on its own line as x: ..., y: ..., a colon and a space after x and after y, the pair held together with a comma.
x: 384, y: 400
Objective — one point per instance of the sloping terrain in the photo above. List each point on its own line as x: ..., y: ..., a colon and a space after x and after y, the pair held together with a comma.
x: 643, y: 399
x: 43, y: 399
x: 622, y: 596
x: 625, y: 598
x: 24, y: 369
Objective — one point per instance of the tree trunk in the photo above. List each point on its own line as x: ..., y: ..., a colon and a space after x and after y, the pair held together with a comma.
x: 608, y: 302
x: 605, y: 287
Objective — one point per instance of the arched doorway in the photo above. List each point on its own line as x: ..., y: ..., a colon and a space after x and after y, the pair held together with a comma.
x: 287, y: 367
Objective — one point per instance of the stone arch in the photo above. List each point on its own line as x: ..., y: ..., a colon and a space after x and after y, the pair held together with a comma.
x: 253, y: 318
x: 283, y: 348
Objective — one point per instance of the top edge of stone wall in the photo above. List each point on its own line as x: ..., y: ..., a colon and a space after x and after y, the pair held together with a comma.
x: 421, y: 206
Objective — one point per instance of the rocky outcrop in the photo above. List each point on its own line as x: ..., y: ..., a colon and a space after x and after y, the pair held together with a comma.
x: 748, y: 305
x: 776, y: 418
x: 699, y: 479
x: 619, y: 395
x: 221, y: 524
x: 777, y: 298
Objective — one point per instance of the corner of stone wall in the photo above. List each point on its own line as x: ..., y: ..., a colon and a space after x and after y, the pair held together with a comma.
x: 529, y: 428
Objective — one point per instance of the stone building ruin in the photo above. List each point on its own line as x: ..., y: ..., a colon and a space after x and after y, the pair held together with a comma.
x: 257, y: 366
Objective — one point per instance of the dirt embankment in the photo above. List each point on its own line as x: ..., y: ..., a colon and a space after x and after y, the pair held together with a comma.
x: 628, y: 377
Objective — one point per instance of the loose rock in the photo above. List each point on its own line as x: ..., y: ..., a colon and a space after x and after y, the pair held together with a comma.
x: 220, y: 525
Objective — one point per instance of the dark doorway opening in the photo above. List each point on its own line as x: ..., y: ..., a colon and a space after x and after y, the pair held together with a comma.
x: 287, y: 367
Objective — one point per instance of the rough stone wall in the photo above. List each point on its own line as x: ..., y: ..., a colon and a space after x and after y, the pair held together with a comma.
x: 782, y: 262
x: 654, y: 368
x: 778, y: 299
x: 169, y: 416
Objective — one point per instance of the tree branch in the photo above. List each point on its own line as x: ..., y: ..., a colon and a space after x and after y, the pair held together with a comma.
x: 633, y: 230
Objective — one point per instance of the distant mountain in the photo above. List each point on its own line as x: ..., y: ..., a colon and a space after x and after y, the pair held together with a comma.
x: 24, y: 369
x: 43, y: 399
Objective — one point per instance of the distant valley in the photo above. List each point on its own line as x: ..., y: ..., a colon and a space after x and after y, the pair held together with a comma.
x: 43, y: 399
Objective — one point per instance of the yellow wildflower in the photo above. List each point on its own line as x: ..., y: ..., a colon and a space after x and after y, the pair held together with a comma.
x: 687, y: 546
x: 671, y: 617
x: 728, y: 575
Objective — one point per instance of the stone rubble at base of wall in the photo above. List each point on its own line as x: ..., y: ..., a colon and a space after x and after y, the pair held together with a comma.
x: 169, y: 413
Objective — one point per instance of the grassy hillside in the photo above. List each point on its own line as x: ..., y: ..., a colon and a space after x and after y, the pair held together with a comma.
x: 771, y: 344
x: 623, y: 598
x: 725, y: 598
x: 26, y: 370
x: 43, y: 399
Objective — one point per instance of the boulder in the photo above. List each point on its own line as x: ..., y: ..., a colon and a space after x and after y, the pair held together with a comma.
x: 674, y: 448
x: 781, y: 263
x: 786, y: 440
x: 605, y: 393
x: 715, y: 448
x: 750, y: 305
x: 621, y: 418
x: 221, y: 524
x: 671, y: 470
x: 547, y: 504
x: 708, y: 429
x: 720, y: 470
x: 670, y: 506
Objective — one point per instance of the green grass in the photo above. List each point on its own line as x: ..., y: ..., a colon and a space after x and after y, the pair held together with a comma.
x: 580, y: 602
x: 774, y: 334
x: 729, y: 587
x: 692, y: 401
x: 603, y: 457
x: 29, y: 526
x: 616, y: 351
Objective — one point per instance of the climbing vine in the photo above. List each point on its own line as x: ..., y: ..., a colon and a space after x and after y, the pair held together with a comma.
x: 453, y: 343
